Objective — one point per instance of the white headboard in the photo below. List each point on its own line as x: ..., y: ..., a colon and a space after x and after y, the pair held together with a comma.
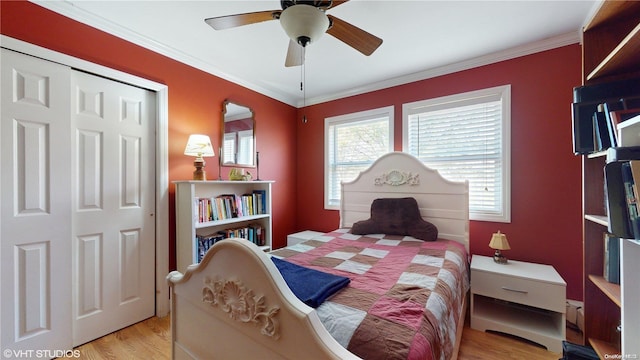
x: 442, y: 202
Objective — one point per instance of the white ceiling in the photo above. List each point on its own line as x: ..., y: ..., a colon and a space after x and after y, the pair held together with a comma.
x: 421, y: 39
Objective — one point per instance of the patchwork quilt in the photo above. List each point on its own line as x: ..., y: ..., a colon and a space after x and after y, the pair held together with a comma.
x: 405, y: 296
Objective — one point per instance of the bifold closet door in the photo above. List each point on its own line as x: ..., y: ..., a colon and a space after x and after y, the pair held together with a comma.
x: 113, y: 205
x: 77, y: 215
x: 35, y: 226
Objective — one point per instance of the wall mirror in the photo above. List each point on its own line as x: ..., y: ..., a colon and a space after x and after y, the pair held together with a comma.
x: 238, y: 135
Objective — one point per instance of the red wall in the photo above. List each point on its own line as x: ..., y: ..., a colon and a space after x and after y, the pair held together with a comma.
x: 546, y: 224
x: 195, y: 102
x: 546, y: 205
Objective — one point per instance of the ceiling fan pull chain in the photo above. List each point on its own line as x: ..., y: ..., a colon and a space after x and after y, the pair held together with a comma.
x: 303, y: 79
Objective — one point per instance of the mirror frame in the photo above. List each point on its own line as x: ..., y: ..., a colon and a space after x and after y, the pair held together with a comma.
x: 222, y: 133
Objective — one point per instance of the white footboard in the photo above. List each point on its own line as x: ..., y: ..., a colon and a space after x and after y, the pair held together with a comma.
x: 236, y: 305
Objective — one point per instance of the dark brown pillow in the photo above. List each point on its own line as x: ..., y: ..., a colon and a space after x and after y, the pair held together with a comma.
x: 396, y: 216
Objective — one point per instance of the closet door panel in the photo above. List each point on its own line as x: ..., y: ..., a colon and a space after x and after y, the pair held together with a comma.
x: 35, y: 193
x: 113, y: 181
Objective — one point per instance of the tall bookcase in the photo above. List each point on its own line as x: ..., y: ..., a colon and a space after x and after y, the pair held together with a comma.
x: 189, y: 226
x: 611, y: 49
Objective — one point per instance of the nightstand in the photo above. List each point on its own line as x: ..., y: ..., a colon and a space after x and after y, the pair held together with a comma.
x: 299, y: 237
x: 519, y: 298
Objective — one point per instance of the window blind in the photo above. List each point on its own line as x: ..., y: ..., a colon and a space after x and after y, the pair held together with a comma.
x: 352, y: 143
x: 463, y: 143
x: 464, y: 137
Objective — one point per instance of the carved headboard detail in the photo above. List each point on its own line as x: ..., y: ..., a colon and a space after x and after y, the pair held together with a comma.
x: 397, y: 178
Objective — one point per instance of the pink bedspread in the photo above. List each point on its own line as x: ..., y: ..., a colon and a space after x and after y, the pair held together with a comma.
x: 405, y: 295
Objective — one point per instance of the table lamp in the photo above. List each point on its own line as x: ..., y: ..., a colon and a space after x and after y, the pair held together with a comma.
x: 499, y: 242
x: 199, y: 146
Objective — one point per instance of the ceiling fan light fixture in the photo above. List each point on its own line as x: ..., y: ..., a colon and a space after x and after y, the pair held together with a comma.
x: 303, y: 23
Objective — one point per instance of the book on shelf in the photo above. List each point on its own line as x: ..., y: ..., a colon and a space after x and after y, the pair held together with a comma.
x: 608, y: 108
x: 617, y: 210
x: 611, y: 269
x: 622, y: 180
x: 260, y: 200
x: 602, y: 136
x: 621, y: 115
x: 631, y: 198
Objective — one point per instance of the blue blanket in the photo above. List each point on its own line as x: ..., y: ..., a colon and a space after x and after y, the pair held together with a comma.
x: 311, y: 286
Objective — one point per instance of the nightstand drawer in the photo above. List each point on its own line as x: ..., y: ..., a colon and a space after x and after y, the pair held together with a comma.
x: 523, y: 291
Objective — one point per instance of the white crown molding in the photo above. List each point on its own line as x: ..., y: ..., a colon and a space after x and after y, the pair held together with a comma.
x: 67, y: 9
x: 527, y: 49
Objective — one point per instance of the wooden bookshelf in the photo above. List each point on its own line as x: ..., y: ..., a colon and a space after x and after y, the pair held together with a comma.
x: 603, y: 349
x: 611, y: 44
x: 611, y: 41
x: 611, y: 290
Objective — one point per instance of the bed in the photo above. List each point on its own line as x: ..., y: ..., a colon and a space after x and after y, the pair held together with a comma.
x: 406, y: 298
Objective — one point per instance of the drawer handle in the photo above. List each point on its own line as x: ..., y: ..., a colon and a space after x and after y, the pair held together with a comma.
x: 515, y: 290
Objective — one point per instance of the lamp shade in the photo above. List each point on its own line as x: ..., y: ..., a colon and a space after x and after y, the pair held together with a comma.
x: 199, y: 145
x: 499, y: 241
x: 304, y: 23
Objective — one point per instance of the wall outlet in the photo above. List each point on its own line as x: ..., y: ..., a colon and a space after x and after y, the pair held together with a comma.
x: 573, y: 307
x: 580, y: 321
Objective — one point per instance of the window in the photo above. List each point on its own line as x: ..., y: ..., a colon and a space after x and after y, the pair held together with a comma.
x: 466, y: 137
x: 229, y: 148
x: 243, y: 141
x: 352, y: 143
x: 245, y: 147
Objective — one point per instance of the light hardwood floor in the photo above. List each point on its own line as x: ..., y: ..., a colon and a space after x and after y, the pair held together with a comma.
x: 151, y: 339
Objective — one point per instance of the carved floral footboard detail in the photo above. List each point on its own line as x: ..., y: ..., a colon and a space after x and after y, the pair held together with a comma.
x: 232, y: 297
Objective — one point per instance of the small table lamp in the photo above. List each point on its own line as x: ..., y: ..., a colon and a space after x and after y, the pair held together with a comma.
x: 499, y: 242
x: 199, y: 146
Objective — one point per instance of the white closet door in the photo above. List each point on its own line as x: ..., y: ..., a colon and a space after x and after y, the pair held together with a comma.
x: 113, y: 205
x: 35, y: 226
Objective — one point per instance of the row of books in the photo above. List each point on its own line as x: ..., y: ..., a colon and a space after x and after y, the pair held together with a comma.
x: 598, y: 109
x: 228, y: 206
x: 252, y: 232
x: 608, y: 116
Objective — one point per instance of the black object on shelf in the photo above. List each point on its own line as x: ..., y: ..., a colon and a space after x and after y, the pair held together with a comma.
x: 587, y: 99
x: 572, y: 351
x: 623, y: 153
x: 607, y: 90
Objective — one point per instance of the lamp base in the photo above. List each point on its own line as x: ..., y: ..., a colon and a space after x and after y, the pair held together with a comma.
x: 199, y: 173
x: 499, y: 258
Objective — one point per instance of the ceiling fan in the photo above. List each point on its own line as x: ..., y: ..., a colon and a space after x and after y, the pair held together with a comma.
x: 304, y: 22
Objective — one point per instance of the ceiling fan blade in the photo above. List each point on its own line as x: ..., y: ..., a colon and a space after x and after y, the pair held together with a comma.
x: 230, y: 21
x: 295, y: 54
x: 335, y: 3
x: 353, y: 36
